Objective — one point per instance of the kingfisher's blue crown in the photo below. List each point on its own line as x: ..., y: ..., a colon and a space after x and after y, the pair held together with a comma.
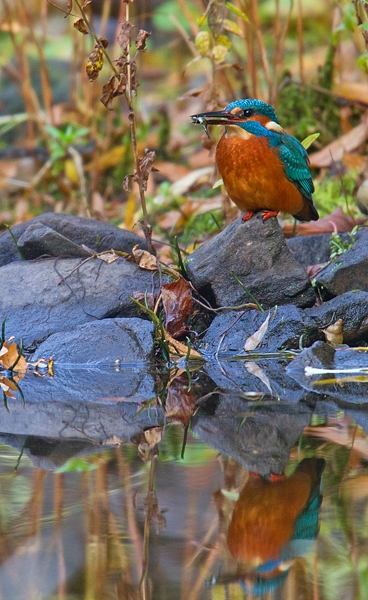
x: 259, y: 107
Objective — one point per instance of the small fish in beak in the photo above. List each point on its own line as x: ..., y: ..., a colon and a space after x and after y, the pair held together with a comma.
x: 201, y: 120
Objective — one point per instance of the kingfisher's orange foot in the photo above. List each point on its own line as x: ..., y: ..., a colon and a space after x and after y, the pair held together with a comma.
x: 275, y: 477
x: 254, y: 475
x: 247, y: 215
x: 267, y: 214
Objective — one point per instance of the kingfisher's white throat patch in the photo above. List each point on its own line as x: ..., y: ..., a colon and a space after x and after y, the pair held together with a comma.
x: 236, y: 131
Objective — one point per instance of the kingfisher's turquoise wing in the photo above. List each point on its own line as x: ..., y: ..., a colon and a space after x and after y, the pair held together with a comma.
x: 295, y: 159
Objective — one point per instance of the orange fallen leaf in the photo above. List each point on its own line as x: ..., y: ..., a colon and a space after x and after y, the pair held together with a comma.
x: 336, y: 150
x: 6, y: 385
x: 352, y: 91
x: 9, y: 354
x: 179, y: 348
x: 333, y: 333
x: 171, y: 171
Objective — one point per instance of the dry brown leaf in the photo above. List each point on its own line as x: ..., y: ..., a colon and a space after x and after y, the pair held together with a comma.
x: 171, y: 171
x: 313, y: 270
x: 352, y: 91
x: 255, y: 370
x: 336, y: 150
x: 253, y: 341
x: 145, y: 165
x: 124, y: 36
x: 354, y: 161
x: 143, y: 258
x: 180, y: 401
x: 108, y: 159
x: 178, y: 302
x: 141, y: 40
x: 333, y: 333
x: 113, y: 440
x: 6, y: 385
x: 194, y: 178
x: 337, y: 221
x: 146, y: 298
x: 9, y: 354
x: 114, y: 87
x: 179, y: 348
x: 108, y: 257
x: 80, y: 25
x: 95, y: 60
x: 153, y: 436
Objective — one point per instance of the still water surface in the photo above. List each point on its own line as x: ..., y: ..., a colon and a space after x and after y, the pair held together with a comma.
x: 140, y: 522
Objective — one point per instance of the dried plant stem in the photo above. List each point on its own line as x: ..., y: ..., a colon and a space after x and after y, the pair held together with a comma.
x: 300, y: 40
x: 262, y: 47
x: 249, y: 43
x: 279, y: 53
x: 146, y: 227
x: 44, y: 72
x: 82, y: 180
x: 21, y: 76
x: 147, y: 522
x: 95, y: 37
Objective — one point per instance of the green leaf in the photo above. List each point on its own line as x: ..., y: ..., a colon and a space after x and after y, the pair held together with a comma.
x: 80, y: 465
x: 165, y: 15
x: 363, y: 61
x: 56, y: 133
x: 233, y: 27
x: 237, y: 11
x: 308, y: 141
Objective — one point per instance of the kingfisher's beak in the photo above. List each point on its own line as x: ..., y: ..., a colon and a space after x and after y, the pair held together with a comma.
x: 220, y: 117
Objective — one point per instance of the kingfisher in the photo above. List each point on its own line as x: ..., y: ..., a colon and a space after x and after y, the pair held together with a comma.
x: 262, y: 166
x: 276, y: 519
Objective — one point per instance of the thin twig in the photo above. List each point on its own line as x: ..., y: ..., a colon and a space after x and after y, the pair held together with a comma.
x: 221, y: 308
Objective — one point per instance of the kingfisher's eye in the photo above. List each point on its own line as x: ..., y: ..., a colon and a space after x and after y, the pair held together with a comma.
x: 248, y: 112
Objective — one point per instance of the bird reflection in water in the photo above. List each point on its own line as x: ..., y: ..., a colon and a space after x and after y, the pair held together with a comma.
x: 275, y: 520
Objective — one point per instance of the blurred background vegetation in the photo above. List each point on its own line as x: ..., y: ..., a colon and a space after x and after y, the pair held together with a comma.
x: 62, y: 149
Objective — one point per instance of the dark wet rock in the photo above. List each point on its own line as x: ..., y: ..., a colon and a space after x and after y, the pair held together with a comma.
x: 39, y: 240
x: 330, y: 407
x: 257, y: 253
x: 352, y: 308
x: 265, y: 433
x: 255, y: 377
x: 316, y: 249
x: 288, y: 329
x: 96, y: 235
x: 102, y: 422
x: 320, y: 356
x: 347, y: 272
x: 36, y: 305
x: 341, y: 379
x: 93, y: 384
x: 311, y: 249
x: 48, y: 453
x: 110, y: 341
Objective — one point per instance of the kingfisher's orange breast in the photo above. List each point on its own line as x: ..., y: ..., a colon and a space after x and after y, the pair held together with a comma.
x: 254, y: 176
x: 264, y: 517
